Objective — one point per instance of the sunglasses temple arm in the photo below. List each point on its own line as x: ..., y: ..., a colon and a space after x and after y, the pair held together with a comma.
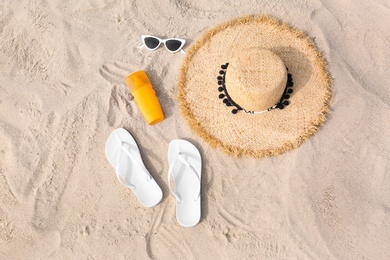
x: 183, y: 51
x: 140, y: 47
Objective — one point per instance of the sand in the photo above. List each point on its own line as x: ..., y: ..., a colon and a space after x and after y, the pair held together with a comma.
x: 62, y: 91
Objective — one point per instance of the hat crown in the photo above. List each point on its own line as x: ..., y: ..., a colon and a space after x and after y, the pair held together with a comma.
x: 256, y: 79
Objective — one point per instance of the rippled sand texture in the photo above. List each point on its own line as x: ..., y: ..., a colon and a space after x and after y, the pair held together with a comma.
x: 62, y: 91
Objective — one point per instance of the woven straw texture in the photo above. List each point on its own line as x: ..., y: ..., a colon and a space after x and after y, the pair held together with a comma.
x: 256, y: 79
x: 255, y: 135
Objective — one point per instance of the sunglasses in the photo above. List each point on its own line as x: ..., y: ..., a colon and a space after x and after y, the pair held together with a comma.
x: 173, y: 44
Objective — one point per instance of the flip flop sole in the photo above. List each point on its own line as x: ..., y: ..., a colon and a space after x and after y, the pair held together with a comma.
x: 188, y: 211
x: 147, y: 191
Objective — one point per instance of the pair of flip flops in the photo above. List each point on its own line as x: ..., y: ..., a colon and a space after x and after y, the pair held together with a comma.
x: 185, y: 168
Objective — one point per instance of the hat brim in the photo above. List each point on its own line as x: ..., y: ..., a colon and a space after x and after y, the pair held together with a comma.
x: 256, y: 135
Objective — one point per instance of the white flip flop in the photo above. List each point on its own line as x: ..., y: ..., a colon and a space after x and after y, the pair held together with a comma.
x: 123, y: 154
x: 185, y: 166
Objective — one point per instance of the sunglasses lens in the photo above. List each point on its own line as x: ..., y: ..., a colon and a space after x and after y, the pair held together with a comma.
x: 151, y: 42
x: 173, y: 45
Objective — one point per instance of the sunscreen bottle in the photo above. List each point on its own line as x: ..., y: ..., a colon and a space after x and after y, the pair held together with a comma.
x: 145, y: 97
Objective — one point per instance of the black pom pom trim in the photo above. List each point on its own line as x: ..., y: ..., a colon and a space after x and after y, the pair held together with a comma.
x: 227, y: 100
x: 283, y: 102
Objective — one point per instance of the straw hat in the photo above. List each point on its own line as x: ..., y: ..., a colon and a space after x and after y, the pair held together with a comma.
x: 254, y: 86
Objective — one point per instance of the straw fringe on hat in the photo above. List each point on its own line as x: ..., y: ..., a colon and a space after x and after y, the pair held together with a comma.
x: 255, y: 135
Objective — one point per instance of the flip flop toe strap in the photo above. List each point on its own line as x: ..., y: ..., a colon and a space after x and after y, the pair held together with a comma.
x: 183, y: 160
x: 133, y: 159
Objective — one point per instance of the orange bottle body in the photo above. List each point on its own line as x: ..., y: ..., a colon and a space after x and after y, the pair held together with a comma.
x: 145, y: 97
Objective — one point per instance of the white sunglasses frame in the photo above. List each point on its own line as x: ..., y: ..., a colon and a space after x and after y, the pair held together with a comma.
x: 163, y: 41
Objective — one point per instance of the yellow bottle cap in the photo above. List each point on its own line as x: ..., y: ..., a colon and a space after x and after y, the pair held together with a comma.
x: 137, y: 79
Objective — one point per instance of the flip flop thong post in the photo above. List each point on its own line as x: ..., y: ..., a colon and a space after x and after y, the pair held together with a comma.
x: 123, y: 154
x: 185, y: 167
